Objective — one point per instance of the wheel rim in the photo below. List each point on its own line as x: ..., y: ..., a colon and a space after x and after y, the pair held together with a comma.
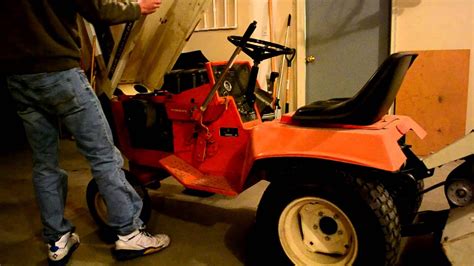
x: 101, y: 208
x: 315, y: 231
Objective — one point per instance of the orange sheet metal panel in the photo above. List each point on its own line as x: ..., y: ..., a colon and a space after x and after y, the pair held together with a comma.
x: 191, y: 177
x: 372, y: 146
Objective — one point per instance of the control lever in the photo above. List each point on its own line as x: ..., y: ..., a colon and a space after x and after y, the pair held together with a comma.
x: 230, y: 63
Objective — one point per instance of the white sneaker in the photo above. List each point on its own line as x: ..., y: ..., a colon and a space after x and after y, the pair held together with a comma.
x: 61, y: 250
x: 139, y: 243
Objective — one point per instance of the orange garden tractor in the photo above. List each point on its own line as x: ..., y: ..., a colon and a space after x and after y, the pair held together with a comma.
x: 343, y: 185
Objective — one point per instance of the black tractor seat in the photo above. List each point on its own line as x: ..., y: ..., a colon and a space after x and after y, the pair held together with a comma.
x: 366, y: 107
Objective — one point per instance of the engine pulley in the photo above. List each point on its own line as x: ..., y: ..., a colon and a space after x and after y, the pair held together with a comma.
x: 459, y: 191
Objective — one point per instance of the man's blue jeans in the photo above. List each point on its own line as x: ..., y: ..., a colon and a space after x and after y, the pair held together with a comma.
x: 43, y: 98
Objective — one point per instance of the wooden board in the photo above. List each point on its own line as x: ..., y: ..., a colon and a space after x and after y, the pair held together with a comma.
x: 434, y: 93
x: 162, y: 40
x: 152, y: 45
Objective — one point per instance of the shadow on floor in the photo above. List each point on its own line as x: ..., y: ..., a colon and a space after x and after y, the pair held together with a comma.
x: 423, y: 250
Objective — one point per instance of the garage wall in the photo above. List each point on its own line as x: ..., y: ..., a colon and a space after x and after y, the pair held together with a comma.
x: 436, y: 25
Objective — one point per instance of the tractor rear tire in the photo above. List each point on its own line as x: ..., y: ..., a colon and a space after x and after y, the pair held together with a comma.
x: 329, y: 222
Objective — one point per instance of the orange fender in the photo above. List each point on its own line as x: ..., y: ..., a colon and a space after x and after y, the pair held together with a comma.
x: 372, y: 146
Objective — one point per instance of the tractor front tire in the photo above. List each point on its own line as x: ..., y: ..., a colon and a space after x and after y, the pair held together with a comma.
x: 351, y: 222
x: 98, y: 208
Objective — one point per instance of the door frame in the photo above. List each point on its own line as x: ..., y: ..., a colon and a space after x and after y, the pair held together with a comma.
x: 300, y: 73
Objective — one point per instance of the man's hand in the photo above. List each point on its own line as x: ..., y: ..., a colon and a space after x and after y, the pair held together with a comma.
x: 149, y: 6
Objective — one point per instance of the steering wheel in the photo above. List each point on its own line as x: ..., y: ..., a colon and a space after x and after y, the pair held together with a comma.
x: 260, y: 50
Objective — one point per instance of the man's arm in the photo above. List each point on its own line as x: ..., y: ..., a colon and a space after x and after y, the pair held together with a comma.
x: 115, y: 11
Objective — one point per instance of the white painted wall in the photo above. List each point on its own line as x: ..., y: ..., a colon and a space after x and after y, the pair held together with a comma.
x: 436, y: 25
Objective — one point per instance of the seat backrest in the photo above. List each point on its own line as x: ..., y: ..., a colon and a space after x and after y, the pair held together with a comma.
x: 373, y: 101
x: 368, y: 105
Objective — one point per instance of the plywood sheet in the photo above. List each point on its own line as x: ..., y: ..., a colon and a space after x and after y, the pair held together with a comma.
x: 434, y: 93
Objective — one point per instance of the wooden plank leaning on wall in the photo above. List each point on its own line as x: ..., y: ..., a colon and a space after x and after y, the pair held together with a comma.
x: 434, y: 93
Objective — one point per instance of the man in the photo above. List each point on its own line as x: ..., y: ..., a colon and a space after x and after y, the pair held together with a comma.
x: 39, y: 62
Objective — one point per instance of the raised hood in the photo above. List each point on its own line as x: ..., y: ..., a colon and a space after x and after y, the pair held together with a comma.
x: 140, y: 52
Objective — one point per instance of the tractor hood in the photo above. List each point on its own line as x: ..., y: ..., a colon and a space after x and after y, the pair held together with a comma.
x: 140, y: 52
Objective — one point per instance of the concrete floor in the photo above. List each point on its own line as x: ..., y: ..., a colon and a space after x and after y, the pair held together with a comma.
x: 204, y: 231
